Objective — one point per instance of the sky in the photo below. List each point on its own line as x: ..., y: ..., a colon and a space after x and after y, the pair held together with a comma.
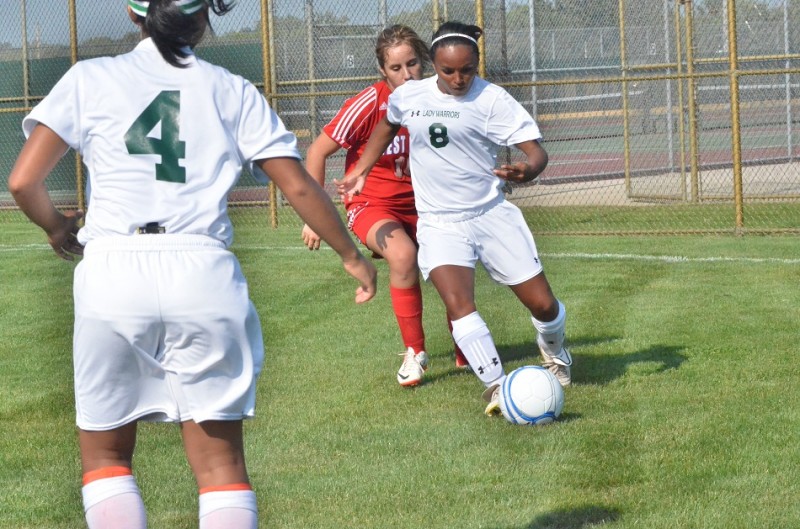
x: 48, y: 19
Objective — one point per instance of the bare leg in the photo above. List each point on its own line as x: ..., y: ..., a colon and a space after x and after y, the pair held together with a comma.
x: 549, y: 318
x: 111, y: 497
x: 111, y: 448
x: 456, y: 287
x: 388, y: 239
x: 215, y: 450
x: 538, y: 298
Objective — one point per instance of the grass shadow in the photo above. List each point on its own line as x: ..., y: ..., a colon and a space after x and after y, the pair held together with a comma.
x: 654, y: 360
x: 579, y: 518
x: 588, y: 369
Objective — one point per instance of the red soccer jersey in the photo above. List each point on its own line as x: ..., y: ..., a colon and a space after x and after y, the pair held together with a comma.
x: 351, y: 128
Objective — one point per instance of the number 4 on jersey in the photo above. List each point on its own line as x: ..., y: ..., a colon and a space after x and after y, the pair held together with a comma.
x: 164, y: 109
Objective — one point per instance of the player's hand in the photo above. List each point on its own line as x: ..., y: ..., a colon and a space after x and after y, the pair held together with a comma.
x: 310, y: 238
x: 64, y: 239
x: 350, y: 186
x: 366, y: 274
x: 401, y: 167
x: 517, y: 173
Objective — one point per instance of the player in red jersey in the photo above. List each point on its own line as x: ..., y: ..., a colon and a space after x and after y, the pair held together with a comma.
x: 383, y: 216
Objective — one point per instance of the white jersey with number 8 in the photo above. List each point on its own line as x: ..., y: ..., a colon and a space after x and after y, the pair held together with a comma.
x: 455, y: 140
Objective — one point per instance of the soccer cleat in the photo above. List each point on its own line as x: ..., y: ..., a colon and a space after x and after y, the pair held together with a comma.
x: 559, y: 365
x: 492, y: 396
x: 414, y: 365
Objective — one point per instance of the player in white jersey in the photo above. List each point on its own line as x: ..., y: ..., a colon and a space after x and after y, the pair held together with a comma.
x: 456, y: 122
x: 164, y: 328
x: 383, y: 216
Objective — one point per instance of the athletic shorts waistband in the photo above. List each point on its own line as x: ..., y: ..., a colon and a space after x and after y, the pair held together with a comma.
x: 154, y: 242
x: 458, y: 216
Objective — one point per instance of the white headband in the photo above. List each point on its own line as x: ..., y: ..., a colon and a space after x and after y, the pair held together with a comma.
x: 187, y: 6
x: 448, y: 35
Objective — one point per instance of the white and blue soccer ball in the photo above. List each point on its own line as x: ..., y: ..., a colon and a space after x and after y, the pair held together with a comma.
x: 531, y: 395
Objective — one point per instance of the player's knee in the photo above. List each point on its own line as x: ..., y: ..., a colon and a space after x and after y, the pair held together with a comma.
x: 403, y: 263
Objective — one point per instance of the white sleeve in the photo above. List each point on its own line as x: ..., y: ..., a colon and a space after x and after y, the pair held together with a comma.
x: 261, y: 132
x: 59, y: 110
x: 393, y: 113
x: 509, y: 122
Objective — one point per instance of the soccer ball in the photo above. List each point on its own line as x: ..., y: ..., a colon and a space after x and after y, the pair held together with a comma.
x: 531, y: 395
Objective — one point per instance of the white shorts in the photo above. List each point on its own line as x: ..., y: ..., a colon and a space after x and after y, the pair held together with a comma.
x: 164, y: 331
x: 498, y: 237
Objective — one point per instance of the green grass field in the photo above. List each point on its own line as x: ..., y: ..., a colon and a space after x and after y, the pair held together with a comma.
x: 684, y: 412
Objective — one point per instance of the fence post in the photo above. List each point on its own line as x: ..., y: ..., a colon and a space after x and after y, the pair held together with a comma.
x: 73, y: 46
x: 267, y: 54
x: 736, y: 136
x: 626, y: 129
x: 532, y: 40
x: 788, y: 77
x: 692, y: 102
x: 680, y: 93
x: 480, y: 21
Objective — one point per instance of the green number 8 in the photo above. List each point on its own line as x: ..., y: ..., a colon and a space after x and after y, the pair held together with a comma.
x: 438, y: 134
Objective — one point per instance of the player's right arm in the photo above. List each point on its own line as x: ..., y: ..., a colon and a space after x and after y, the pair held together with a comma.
x: 40, y: 154
x: 353, y: 182
x: 316, y: 209
x: 318, y: 152
x: 521, y: 172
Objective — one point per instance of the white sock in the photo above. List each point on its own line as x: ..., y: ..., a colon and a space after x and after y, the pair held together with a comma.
x: 114, y: 503
x: 227, y: 509
x: 473, y: 337
x: 551, y: 333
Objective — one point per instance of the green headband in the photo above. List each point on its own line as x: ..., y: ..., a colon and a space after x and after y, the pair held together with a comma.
x: 188, y: 7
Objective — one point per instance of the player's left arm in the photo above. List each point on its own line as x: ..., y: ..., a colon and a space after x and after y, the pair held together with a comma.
x: 382, y: 135
x: 39, y: 156
x: 521, y: 172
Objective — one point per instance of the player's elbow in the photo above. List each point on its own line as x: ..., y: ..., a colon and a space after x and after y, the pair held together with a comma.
x: 541, y: 159
x: 317, y: 152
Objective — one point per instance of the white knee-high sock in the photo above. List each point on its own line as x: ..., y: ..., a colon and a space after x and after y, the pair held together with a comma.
x: 114, y: 503
x: 226, y: 509
x: 473, y: 337
x: 551, y: 333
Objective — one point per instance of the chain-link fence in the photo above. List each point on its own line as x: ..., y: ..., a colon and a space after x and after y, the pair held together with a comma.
x: 658, y: 115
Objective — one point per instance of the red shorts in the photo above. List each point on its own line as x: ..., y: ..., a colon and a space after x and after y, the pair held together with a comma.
x: 362, y: 216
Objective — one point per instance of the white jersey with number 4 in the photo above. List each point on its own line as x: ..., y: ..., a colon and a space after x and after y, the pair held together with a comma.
x: 157, y: 140
x: 455, y: 140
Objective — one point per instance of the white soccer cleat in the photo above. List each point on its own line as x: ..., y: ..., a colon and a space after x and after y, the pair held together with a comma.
x: 492, y: 396
x: 413, y: 367
x: 559, y: 365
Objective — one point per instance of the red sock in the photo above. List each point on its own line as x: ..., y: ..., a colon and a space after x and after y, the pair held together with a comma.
x: 407, y: 305
x: 461, y: 360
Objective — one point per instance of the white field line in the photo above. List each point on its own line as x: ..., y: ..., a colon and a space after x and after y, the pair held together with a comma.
x: 7, y: 248
x: 671, y: 258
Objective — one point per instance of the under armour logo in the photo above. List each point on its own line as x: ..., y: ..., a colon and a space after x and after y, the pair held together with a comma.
x: 415, y: 113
